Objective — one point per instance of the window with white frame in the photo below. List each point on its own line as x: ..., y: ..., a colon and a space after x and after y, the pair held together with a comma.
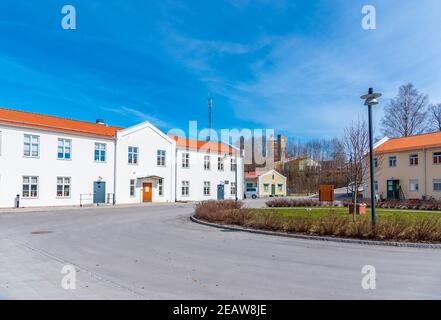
x: 30, y: 187
x: 133, y: 155
x: 266, y: 187
x: 414, y: 185
x: 233, y: 164
x: 160, y: 187
x: 437, y: 185
x: 63, y: 187
x: 392, y: 161
x: 413, y: 159
x: 31, y: 146
x: 207, y: 188
x: 160, y: 158
x: 100, y: 152
x: 207, y: 162
x: 376, y: 162
x: 437, y: 158
x: 233, y: 188
x: 132, y: 187
x: 64, y: 150
x: 280, y: 187
x: 220, y: 163
x: 185, y: 160
x: 185, y: 188
x: 376, y: 185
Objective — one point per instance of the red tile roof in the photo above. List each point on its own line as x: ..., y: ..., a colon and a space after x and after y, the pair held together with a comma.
x: 421, y: 141
x: 203, y: 145
x: 253, y: 174
x: 52, y: 123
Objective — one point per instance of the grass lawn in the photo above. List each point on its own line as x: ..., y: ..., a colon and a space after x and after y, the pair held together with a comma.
x: 318, y: 212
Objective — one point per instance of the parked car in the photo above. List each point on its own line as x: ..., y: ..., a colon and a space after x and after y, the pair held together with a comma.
x: 251, y: 193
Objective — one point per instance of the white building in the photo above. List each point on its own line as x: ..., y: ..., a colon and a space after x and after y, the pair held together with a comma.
x: 53, y: 161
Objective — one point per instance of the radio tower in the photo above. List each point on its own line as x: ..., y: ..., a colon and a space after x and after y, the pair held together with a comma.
x: 210, y: 105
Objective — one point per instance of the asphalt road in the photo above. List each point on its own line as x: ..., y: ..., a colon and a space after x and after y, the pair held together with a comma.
x: 156, y: 252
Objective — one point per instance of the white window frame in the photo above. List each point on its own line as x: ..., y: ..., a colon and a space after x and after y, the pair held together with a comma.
x: 233, y: 164
x: 185, y: 160
x: 207, y: 188
x: 233, y: 188
x: 160, y: 158
x: 266, y: 187
x: 132, y: 188
x: 436, y: 182
x: 98, y: 147
x: 161, y: 187
x: 29, y: 184
x: 207, y: 162
x: 220, y: 164
x: 392, y: 159
x: 280, y: 187
x: 412, y: 158
x: 414, y: 185
x: 63, y: 187
x: 437, y: 156
x: 64, y: 147
x: 132, y: 155
x: 185, y: 188
x: 32, y: 144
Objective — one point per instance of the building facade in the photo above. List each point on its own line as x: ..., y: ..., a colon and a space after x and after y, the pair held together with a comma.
x: 53, y: 161
x: 408, y: 167
x: 268, y: 184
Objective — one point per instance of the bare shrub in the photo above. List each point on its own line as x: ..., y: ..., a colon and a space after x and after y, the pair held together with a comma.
x: 391, y: 228
x: 426, y: 230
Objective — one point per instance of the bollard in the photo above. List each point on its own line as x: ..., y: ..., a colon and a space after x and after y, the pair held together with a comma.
x: 17, y: 201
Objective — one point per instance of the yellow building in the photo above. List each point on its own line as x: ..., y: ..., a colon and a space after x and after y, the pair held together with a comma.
x: 269, y: 184
x: 408, y: 167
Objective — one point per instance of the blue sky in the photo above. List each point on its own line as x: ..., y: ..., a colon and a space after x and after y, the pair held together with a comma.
x: 298, y: 67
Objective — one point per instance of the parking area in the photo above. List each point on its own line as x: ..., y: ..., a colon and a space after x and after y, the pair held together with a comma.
x: 156, y: 252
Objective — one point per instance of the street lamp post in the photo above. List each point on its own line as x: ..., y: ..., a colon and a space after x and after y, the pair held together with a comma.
x: 371, y: 100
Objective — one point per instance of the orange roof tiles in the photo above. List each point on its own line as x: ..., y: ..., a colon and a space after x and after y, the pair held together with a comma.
x: 422, y: 141
x: 203, y: 145
x: 52, y: 123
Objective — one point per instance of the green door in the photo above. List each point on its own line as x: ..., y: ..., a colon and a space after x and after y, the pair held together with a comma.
x: 273, y: 189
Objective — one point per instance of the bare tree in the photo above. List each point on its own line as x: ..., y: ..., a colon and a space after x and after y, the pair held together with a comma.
x: 406, y: 114
x: 435, y: 117
x: 355, y: 143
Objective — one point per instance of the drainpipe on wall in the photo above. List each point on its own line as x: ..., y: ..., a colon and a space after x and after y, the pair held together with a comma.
x: 176, y: 174
x: 114, y: 169
x: 425, y: 173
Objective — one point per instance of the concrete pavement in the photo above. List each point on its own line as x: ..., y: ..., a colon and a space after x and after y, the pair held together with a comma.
x: 156, y: 252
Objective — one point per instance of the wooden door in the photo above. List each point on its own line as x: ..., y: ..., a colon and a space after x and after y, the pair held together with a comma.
x: 147, y: 192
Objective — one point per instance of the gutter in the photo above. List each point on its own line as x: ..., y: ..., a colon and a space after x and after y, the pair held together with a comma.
x: 114, y: 168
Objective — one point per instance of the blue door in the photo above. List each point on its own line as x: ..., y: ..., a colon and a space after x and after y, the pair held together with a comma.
x: 99, y: 192
x: 220, y: 192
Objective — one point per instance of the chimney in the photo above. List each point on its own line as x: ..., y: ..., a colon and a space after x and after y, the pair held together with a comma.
x: 100, y: 121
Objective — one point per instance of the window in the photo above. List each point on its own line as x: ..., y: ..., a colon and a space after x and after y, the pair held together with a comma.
x: 233, y: 188
x: 437, y: 158
x: 266, y: 187
x: 437, y: 185
x: 413, y: 186
x: 132, y: 187
x: 31, y: 146
x: 376, y: 162
x: 413, y: 160
x: 100, y: 152
x: 63, y: 187
x: 207, y: 189
x: 30, y: 187
x: 220, y: 164
x: 392, y: 161
x: 185, y: 160
x: 376, y: 185
x: 160, y: 187
x: 64, y: 149
x: 160, y: 158
x: 280, y: 187
x: 233, y: 164
x: 185, y: 189
x: 133, y: 155
x: 207, y: 163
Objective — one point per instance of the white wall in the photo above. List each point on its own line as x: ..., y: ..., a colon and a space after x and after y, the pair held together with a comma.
x: 82, y: 168
x: 148, y: 139
x: 197, y: 175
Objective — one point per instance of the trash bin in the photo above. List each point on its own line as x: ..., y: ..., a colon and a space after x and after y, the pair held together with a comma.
x: 360, y: 209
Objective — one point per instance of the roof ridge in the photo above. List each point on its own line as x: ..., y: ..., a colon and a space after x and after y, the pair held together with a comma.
x: 52, y: 116
x: 415, y: 135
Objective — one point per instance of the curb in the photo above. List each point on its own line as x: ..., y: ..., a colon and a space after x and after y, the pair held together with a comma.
x: 319, y: 238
